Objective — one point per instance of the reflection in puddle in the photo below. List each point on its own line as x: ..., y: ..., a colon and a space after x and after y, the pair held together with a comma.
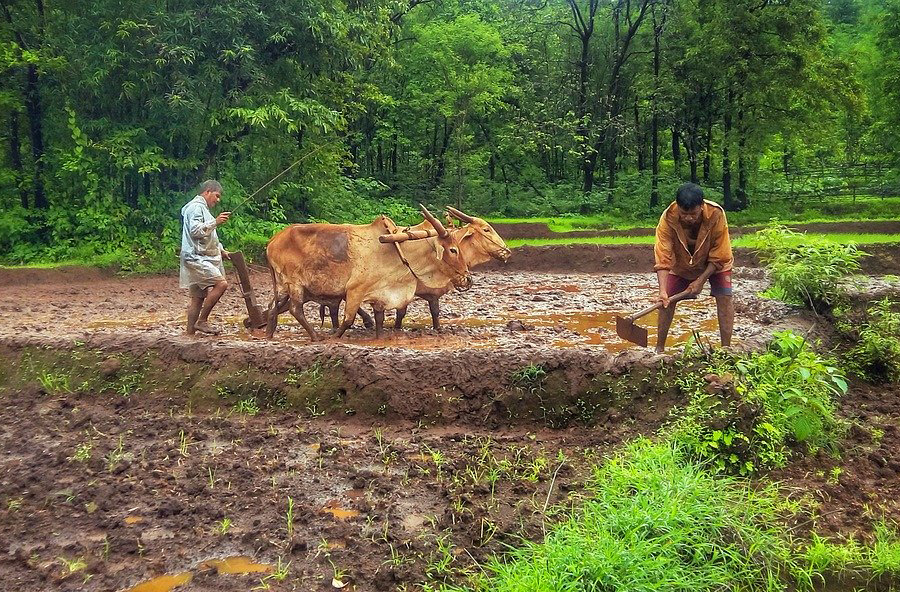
x: 235, y: 565
x: 599, y: 328
x: 163, y: 583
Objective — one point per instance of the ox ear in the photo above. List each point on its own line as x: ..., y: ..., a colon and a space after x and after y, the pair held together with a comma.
x: 470, y: 232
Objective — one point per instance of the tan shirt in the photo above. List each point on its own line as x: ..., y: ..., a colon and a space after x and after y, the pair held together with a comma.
x: 713, y: 245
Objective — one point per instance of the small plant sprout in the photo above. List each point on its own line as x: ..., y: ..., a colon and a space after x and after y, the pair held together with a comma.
x: 115, y: 456
x: 73, y: 565
x: 834, y: 475
x: 289, y: 518
x: 223, y: 526
x: 13, y: 504
x: 211, y: 477
x: 247, y: 406
x: 82, y: 452
x: 183, y: 443
x: 340, y: 576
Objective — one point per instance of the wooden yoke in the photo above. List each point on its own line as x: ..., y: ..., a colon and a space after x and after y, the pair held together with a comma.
x: 257, y: 319
x: 401, y: 236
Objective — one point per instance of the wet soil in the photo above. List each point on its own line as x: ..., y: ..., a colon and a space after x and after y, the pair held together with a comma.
x: 540, y: 230
x: 588, y: 258
x: 135, y: 458
x: 852, y: 490
x: 111, y: 492
x: 564, y: 323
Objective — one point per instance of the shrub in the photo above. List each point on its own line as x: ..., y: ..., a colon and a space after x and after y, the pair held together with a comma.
x: 876, y: 355
x: 748, y: 410
x: 805, y: 270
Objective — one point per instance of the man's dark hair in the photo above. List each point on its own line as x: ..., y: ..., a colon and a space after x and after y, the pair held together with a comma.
x: 689, y: 196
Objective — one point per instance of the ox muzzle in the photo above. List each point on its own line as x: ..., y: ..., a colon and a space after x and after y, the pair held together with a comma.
x: 463, y: 283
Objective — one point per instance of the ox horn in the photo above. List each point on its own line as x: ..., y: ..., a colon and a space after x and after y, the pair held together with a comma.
x: 460, y: 215
x: 442, y: 232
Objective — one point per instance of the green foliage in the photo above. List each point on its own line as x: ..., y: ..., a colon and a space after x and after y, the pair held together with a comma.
x: 876, y: 355
x: 529, y: 378
x: 748, y: 410
x: 654, y: 522
x: 806, y: 271
x: 377, y: 106
x: 827, y: 558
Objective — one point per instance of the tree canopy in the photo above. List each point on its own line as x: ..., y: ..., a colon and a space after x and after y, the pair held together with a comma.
x: 111, y: 113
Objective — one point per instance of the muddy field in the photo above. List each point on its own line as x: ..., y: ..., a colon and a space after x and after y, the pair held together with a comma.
x: 135, y: 458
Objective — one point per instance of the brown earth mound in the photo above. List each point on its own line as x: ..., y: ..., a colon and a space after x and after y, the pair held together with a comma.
x: 587, y: 258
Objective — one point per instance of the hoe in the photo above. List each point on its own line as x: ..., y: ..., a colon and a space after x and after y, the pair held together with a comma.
x: 627, y: 330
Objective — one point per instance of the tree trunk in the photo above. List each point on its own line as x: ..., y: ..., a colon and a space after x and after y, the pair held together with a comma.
x: 742, y: 201
x: 441, y: 160
x: 588, y: 157
x: 640, y: 146
x: 707, y: 154
x: 36, y: 127
x: 394, y: 154
x: 676, y: 147
x: 693, y: 148
x: 380, y: 158
x: 726, y: 158
x: 15, y: 157
x: 654, y: 120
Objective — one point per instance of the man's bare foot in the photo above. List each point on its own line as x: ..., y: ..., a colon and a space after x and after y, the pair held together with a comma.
x: 205, y: 327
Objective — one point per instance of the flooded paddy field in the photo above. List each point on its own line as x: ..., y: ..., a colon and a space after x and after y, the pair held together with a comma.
x: 509, y: 311
x: 134, y: 458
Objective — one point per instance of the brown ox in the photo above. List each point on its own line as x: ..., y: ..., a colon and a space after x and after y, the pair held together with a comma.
x: 329, y: 262
x: 479, y: 243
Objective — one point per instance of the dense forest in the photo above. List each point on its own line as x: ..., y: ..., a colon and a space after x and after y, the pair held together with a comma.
x: 111, y: 113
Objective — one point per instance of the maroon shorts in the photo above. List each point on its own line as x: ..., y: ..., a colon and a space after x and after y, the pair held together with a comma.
x: 720, y: 284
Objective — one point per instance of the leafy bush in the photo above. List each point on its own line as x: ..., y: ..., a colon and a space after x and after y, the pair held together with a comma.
x: 747, y: 411
x: 805, y: 270
x: 876, y: 355
x: 653, y: 522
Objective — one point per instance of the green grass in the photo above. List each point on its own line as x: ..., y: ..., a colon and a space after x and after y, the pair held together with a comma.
x: 866, y: 208
x: 655, y: 522
x: 742, y: 241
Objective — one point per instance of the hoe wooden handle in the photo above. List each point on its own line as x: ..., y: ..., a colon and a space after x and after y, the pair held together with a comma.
x: 672, y: 300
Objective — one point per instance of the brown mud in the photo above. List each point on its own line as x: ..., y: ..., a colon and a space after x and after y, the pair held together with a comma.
x: 540, y: 230
x: 507, y: 322
x: 135, y: 458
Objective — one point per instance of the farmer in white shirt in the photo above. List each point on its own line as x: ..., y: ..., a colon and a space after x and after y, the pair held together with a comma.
x: 201, y: 257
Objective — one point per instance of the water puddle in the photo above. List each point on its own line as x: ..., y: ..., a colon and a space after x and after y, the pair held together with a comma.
x: 237, y: 565
x: 599, y: 328
x: 338, y: 512
x: 163, y: 583
x: 240, y: 564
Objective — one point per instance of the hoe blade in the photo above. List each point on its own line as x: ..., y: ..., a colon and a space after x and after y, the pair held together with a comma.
x: 627, y: 330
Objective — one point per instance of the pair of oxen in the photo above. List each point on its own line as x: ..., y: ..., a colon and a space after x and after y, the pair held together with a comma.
x: 328, y: 263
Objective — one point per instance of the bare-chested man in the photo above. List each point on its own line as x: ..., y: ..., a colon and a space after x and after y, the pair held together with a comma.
x: 202, y: 272
x: 692, y: 246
